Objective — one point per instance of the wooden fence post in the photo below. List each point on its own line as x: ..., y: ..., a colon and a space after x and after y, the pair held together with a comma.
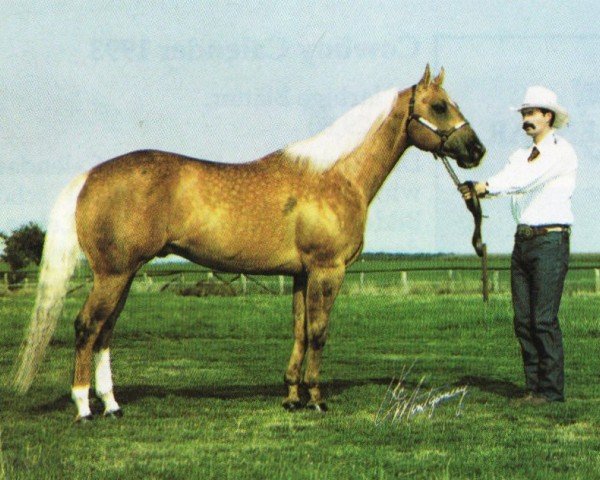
x: 484, y: 274
x: 495, y: 281
x: 362, y: 282
x: 244, y: 284
x: 597, y: 274
x: 281, y: 284
x: 404, y: 282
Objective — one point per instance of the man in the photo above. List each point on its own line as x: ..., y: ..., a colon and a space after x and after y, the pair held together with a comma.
x: 540, y: 180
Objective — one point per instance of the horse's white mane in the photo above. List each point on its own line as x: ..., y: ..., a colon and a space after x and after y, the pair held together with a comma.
x: 345, y: 134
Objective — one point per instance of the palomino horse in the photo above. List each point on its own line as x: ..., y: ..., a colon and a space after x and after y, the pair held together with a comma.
x: 299, y: 211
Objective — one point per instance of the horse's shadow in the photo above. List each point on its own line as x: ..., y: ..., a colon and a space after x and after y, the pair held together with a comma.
x: 132, y: 394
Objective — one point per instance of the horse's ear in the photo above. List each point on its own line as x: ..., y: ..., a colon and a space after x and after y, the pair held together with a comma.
x: 440, y: 78
x: 424, y: 82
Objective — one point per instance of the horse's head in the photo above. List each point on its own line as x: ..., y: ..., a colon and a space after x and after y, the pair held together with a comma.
x: 436, y: 125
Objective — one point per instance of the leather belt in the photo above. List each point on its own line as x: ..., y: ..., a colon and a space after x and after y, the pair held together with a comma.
x: 530, y: 231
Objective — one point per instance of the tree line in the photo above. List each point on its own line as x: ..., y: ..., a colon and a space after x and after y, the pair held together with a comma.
x: 22, y: 247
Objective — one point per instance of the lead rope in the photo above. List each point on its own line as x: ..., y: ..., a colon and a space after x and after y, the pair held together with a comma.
x: 480, y: 248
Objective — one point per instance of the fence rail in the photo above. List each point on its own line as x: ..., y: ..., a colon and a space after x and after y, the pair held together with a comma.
x: 407, y: 280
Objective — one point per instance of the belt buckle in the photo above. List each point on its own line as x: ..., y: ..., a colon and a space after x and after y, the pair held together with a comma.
x: 526, y: 232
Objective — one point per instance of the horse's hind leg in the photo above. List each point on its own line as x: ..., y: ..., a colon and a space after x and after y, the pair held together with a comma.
x: 102, y: 302
x: 293, y: 373
x: 323, y: 286
x: 103, y: 378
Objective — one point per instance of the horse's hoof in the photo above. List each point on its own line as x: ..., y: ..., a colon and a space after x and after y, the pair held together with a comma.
x: 83, y: 420
x: 317, y: 406
x: 293, y: 406
x: 114, y: 414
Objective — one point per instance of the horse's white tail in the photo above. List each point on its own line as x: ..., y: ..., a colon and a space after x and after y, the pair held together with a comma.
x: 59, y: 259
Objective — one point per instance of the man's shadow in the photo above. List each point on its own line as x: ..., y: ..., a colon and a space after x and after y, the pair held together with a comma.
x: 501, y: 388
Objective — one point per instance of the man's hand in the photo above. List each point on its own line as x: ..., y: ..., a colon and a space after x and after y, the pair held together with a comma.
x: 465, y: 191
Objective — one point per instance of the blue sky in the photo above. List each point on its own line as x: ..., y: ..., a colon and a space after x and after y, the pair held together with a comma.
x: 81, y: 82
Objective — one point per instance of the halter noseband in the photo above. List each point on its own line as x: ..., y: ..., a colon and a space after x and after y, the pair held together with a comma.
x: 443, y: 134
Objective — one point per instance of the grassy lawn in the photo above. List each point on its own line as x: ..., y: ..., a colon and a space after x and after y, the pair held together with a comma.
x: 200, y: 382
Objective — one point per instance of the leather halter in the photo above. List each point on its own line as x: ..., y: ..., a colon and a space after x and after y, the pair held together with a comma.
x: 444, y: 135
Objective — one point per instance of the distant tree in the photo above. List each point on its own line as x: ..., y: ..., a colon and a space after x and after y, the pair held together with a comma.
x: 21, y: 248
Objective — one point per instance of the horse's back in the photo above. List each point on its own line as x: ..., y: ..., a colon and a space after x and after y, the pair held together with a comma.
x: 149, y: 162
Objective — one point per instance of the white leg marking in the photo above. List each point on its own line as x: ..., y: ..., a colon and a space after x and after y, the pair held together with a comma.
x: 110, y: 404
x: 104, y: 383
x: 80, y: 396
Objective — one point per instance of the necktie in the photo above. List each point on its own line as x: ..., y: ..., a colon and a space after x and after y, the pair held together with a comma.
x: 534, y: 154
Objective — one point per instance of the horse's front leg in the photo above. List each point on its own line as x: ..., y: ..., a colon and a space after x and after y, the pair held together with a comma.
x: 322, y: 288
x: 293, y: 373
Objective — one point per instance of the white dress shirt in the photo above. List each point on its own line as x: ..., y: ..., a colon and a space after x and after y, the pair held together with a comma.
x: 540, y: 190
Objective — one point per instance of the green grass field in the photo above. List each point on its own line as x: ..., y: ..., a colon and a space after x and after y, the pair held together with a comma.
x: 200, y: 382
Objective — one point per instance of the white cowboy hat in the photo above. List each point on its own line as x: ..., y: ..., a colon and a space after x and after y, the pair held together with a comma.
x: 542, y: 97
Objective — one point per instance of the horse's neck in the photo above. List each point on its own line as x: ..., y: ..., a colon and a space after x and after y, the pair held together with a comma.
x: 369, y: 165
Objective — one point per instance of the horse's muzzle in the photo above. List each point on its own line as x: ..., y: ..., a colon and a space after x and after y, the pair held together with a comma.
x: 470, y: 156
x: 465, y: 147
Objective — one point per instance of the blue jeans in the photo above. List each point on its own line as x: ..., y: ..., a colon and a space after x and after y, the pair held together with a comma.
x: 538, y: 269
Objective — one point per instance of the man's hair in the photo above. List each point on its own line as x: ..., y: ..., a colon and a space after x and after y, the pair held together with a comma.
x: 545, y: 111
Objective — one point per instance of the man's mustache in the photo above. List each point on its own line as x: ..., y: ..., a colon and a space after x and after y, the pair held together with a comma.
x: 527, y: 125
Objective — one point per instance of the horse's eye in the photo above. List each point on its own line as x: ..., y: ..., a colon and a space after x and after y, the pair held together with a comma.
x: 440, y: 107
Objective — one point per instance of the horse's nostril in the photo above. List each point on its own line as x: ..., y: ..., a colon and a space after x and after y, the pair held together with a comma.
x: 478, y: 150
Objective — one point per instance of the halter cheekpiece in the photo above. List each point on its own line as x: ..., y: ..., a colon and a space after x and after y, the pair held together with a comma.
x: 444, y: 135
